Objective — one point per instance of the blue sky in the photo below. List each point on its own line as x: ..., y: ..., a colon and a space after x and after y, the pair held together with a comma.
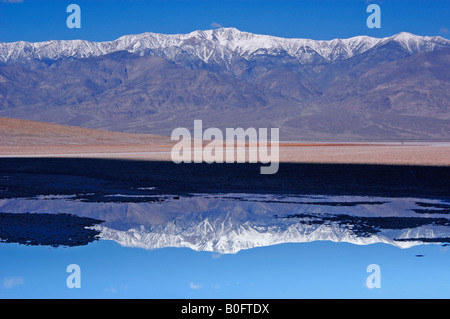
x: 307, y: 270
x: 103, y: 20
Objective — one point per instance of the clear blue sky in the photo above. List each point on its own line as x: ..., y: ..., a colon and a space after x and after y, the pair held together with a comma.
x: 103, y: 20
x: 308, y: 270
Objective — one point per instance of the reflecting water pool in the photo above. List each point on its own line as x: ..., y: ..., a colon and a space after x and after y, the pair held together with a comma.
x: 89, y: 229
x: 226, y: 246
x: 301, y: 270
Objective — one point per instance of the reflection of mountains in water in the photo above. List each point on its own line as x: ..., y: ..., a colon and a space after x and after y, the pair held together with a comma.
x: 228, y: 223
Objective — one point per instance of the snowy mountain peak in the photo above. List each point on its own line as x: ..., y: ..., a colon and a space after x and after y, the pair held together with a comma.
x: 220, y: 45
x: 414, y: 43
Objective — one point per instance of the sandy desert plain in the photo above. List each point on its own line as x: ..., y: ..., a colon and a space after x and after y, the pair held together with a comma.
x: 24, y: 138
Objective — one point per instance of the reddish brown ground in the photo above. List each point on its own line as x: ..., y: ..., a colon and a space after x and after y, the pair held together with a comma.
x: 36, y: 139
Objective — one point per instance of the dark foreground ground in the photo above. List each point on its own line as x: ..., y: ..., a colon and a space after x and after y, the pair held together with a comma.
x: 93, y: 179
x: 47, y: 229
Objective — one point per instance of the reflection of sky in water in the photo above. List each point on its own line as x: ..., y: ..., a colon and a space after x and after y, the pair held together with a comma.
x: 305, y: 270
x: 238, y: 246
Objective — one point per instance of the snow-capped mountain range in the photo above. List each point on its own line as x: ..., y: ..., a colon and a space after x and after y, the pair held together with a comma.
x: 361, y: 88
x: 218, y: 45
x: 225, y: 226
x: 229, y: 223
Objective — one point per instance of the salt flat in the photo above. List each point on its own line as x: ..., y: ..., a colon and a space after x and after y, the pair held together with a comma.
x: 23, y: 138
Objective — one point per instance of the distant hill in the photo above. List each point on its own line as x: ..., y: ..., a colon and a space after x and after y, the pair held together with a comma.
x: 17, y: 132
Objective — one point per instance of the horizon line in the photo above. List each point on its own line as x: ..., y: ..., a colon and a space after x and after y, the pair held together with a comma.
x: 227, y: 28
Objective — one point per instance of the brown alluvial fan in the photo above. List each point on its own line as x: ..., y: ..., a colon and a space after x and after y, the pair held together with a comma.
x: 362, y: 88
